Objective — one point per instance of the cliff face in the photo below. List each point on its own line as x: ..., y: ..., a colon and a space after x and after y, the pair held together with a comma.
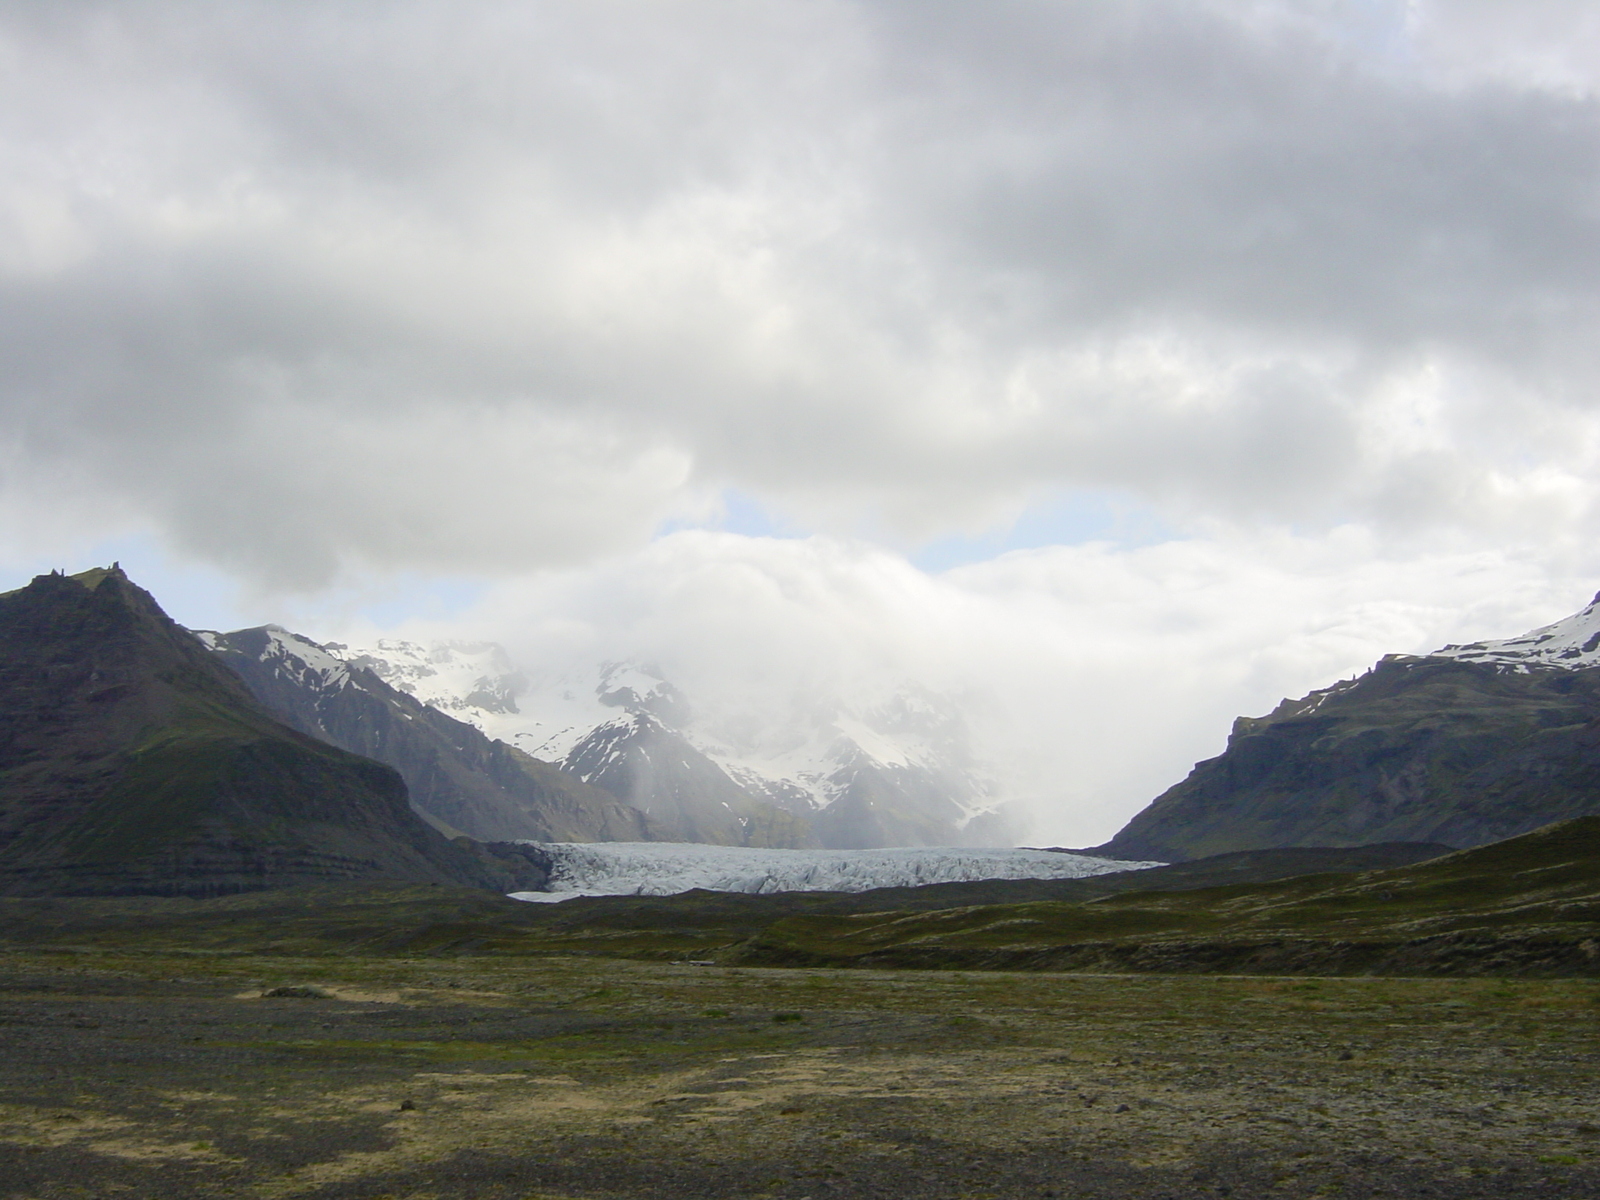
x: 458, y: 779
x: 132, y: 761
x: 1432, y: 749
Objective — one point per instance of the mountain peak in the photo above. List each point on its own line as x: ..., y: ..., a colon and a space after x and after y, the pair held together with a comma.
x: 1571, y: 643
x: 134, y: 762
x: 95, y: 576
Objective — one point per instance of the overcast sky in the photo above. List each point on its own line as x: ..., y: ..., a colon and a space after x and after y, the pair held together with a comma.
x: 1130, y: 364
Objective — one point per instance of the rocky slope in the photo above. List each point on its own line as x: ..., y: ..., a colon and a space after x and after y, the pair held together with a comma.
x: 132, y: 761
x: 458, y: 778
x: 1468, y: 745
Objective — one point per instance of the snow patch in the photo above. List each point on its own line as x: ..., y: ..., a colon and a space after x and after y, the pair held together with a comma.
x: 1572, y: 642
x: 303, y: 659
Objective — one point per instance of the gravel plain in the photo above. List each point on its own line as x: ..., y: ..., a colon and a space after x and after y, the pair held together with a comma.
x: 390, y: 1079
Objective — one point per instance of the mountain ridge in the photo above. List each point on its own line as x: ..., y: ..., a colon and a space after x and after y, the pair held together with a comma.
x: 897, y: 773
x: 458, y: 778
x: 133, y: 762
x: 1470, y: 744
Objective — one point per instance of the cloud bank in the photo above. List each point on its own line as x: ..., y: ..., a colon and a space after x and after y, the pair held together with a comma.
x: 317, y: 294
x: 1092, y: 677
x: 500, y: 286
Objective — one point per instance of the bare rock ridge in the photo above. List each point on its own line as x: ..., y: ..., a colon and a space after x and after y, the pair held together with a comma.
x: 833, y: 793
x: 132, y: 761
x: 1468, y: 745
x: 652, y: 766
x: 458, y: 779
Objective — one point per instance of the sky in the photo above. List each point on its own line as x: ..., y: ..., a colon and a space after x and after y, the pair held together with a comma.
x: 1118, y: 367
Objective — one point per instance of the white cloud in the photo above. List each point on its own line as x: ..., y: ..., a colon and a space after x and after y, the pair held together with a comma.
x: 317, y: 295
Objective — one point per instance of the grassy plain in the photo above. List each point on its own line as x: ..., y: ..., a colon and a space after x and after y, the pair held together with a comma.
x: 158, y: 1073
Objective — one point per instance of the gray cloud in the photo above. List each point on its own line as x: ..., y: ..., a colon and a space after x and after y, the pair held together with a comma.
x: 319, y: 289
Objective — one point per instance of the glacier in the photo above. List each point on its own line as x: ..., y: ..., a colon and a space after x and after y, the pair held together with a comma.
x: 666, y: 868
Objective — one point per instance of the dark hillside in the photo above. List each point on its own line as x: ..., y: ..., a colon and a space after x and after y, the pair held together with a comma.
x: 1418, y: 749
x: 131, y: 761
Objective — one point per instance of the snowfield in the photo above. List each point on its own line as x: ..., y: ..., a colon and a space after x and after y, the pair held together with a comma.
x: 1572, y: 642
x: 666, y: 868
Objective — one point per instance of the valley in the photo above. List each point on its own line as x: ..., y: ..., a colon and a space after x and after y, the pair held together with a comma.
x: 247, y: 949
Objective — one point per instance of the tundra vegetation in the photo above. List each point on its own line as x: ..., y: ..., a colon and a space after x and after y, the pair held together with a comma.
x: 1422, y: 1030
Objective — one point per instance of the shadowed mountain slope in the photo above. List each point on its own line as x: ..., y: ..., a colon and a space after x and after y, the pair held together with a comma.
x: 132, y: 761
x: 458, y: 778
x: 1433, y: 749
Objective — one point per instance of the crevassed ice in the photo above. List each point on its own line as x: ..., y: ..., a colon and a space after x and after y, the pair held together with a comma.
x: 666, y: 868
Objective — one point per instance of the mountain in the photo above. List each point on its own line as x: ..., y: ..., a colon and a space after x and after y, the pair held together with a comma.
x: 132, y: 761
x: 458, y: 779
x: 1467, y: 745
x: 638, y: 757
x: 897, y: 773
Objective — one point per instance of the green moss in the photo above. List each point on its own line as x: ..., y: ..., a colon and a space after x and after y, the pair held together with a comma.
x: 164, y: 794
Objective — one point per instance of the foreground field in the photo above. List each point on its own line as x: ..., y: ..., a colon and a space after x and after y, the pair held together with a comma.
x: 171, y: 1075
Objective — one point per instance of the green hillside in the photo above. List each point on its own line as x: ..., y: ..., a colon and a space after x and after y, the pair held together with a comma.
x: 132, y: 761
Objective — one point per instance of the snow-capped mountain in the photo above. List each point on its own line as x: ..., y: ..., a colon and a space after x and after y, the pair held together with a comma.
x: 297, y: 660
x: 474, y: 679
x: 458, y: 778
x: 1572, y: 642
x: 895, y: 773
x: 1471, y: 744
x: 666, y: 868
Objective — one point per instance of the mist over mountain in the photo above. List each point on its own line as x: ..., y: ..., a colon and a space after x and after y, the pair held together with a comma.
x: 1111, y: 369
x: 898, y: 773
x: 457, y: 778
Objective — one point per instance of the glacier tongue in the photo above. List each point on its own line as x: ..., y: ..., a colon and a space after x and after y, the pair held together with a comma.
x: 666, y: 868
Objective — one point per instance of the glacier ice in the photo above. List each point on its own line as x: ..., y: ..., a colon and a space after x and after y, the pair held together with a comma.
x: 666, y: 868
